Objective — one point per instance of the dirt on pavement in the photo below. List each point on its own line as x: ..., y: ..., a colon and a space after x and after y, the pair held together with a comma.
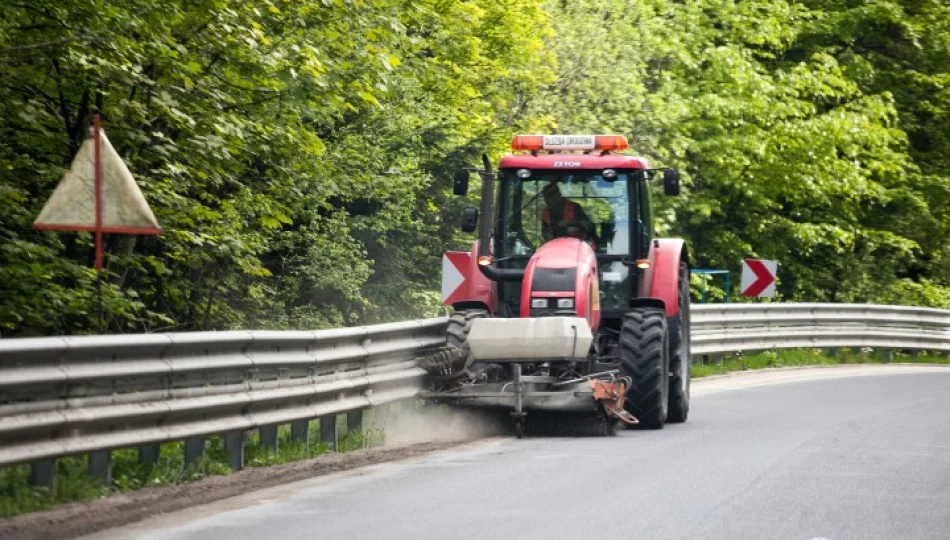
x: 81, y: 518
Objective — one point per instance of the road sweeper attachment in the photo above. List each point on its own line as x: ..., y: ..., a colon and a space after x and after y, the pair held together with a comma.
x: 527, y: 364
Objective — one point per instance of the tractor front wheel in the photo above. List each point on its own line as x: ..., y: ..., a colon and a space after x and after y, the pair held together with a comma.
x: 679, y: 353
x: 460, y: 324
x: 644, y: 358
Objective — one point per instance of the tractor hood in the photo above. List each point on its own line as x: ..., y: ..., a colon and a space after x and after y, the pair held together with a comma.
x: 561, y: 280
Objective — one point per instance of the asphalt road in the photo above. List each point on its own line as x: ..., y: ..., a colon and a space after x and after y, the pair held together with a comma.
x: 847, y: 453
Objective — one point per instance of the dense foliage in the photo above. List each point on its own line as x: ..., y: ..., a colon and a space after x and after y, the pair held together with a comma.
x: 297, y: 153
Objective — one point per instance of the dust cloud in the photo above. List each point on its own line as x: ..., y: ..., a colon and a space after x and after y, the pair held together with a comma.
x: 438, y: 424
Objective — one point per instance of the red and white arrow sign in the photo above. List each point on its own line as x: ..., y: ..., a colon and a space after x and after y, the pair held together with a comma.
x: 454, y: 267
x: 758, y: 278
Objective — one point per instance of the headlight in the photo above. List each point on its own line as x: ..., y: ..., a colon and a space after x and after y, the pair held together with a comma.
x: 539, y: 302
x: 565, y: 303
x: 524, y: 173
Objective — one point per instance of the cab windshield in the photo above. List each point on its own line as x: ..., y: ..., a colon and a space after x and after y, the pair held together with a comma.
x: 568, y: 204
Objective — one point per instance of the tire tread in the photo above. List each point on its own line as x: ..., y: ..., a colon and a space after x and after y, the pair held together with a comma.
x: 678, y: 410
x: 460, y: 324
x: 643, y: 355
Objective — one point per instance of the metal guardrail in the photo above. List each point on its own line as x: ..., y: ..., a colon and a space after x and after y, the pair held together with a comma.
x: 725, y: 328
x: 64, y: 396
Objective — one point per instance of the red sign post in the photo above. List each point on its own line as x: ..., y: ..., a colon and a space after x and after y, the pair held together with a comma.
x: 98, y: 174
x: 97, y: 195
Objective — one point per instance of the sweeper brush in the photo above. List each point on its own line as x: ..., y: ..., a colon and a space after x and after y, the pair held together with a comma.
x: 446, y: 364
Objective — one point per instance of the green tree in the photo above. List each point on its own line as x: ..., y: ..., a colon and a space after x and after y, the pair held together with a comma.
x: 787, y: 153
x: 277, y: 143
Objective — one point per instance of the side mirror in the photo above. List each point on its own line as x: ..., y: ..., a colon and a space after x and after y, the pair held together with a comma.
x: 671, y: 182
x: 460, y: 186
x: 469, y: 218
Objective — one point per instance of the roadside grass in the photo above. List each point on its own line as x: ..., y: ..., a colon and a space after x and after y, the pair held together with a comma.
x: 812, y: 357
x: 74, y: 483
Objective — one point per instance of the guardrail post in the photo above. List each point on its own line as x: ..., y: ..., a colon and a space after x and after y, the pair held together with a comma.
x: 268, y: 436
x: 711, y: 359
x: 888, y: 355
x: 100, y: 466
x: 194, y: 449
x: 300, y: 431
x: 328, y: 433
x: 234, y: 447
x: 43, y: 474
x: 354, y: 421
x: 407, y: 406
x: 149, y: 454
x: 381, y: 415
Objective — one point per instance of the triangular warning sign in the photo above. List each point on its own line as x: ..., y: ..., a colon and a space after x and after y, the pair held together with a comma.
x: 72, y: 207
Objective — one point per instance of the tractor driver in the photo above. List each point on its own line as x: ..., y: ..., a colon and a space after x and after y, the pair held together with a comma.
x: 562, y: 217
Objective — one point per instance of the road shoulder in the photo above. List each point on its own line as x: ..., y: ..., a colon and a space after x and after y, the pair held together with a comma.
x: 83, y: 518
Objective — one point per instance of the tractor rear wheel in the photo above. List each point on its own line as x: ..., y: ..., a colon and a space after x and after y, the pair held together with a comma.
x: 644, y: 358
x: 460, y: 324
x: 679, y: 353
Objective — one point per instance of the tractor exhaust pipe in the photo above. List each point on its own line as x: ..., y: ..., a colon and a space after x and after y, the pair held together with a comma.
x: 485, y: 226
x: 488, y: 191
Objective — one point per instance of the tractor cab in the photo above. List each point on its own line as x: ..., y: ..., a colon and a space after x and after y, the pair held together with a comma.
x: 572, y: 187
x: 606, y: 208
x: 567, y: 285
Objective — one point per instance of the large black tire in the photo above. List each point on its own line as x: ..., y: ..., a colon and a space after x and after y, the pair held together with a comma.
x: 679, y: 354
x: 460, y: 324
x: 644, y: 358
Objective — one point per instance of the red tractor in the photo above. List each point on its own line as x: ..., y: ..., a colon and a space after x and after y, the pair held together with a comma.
x: 569, y: 313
